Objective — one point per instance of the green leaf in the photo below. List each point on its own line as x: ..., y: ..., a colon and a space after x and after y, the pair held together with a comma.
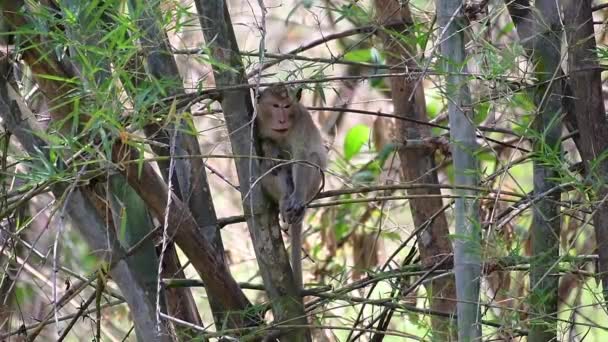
x: 361, y: 55
x: 393, y: 236
x: 353, y: 14
x: 508, y: 28
x: 50, y: 77
x: 524, y: 102
x: 123, y: 224
x: 355, y: 139
x: 374, y: 167
x: 434, y: 102
x: 341, y: 229
x: 522, y: 125
x: 486, y: 156
x: 602, y: 52
x: 481, y: 112
x: 379, y: 84
x: 364, y: 177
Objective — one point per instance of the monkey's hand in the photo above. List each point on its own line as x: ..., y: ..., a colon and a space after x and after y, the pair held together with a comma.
x: 292, y: 209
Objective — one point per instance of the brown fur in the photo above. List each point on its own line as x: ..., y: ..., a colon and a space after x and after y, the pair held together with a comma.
x: 288, y: 132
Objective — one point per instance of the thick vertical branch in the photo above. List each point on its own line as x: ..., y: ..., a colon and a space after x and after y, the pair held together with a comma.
x: 419, y: 165
x: 262, y: 218
x: 586, y: 85
x: 467, y: 260
x: 522, y: 15
x: 540, y: 32
x: 546, y: 54
x: 181, y: 224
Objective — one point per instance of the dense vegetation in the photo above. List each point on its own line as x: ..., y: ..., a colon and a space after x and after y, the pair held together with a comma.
x: 465, y: 197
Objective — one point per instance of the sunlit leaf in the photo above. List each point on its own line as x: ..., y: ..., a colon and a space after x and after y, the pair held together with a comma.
x: 361, y: 55
x: 355, y: 139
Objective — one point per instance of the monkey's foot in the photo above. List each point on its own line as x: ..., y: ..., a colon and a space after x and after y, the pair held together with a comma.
x: 292, y: 210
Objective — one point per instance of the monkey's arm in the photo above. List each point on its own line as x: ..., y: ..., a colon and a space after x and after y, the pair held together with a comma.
x: 277, y: 179
x: 306, y: 182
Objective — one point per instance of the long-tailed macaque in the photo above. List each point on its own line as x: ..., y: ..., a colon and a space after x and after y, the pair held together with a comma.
x: 288, y: 132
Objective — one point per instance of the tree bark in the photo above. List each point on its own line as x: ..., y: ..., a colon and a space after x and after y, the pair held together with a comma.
x: 522, y: 14
x: 586, y: 85
x: 189, y: 175
x: 262, y: 217
x: 467, y: 247
x: 540, y: 30
x: 418, y: 165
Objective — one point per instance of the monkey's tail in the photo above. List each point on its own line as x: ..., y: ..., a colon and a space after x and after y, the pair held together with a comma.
x: 296, y: 254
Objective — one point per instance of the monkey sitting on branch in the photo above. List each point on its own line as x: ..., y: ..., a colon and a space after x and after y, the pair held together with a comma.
x: 289, y: 133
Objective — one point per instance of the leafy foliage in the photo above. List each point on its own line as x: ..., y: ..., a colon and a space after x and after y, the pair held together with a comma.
x: 363, y: 241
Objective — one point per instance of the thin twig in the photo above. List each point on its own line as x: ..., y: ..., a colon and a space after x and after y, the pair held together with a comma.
x: 77, y: 315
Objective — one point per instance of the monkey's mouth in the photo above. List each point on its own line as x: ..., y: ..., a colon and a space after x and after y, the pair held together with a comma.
x: 281, y: 130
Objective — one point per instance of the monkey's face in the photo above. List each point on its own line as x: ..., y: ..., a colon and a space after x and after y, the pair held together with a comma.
x: 276, y: 115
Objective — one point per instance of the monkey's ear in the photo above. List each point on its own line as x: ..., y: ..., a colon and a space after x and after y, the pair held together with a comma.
x: 299, y: 94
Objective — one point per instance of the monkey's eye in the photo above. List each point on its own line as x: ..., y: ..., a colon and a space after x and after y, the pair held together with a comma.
x: 287, y: 106
x: 275, y: 105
